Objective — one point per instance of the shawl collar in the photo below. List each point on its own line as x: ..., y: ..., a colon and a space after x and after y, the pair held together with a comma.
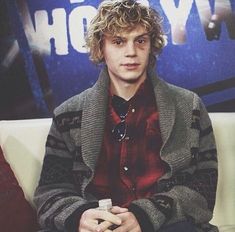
x: 93, y: 119
x: 166, y: 106
x: 94, y: 115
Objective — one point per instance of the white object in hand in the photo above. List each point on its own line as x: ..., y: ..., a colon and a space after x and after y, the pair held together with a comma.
x: 105, y: 204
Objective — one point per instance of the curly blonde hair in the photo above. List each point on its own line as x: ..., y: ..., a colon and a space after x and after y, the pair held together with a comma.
x: 115, y: 16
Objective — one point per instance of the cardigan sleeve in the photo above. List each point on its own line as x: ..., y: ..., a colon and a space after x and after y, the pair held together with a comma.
x: 58, y: 197
x: 189, y: 194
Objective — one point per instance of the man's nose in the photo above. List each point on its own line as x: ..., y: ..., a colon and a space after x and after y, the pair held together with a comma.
x: 130, y: 49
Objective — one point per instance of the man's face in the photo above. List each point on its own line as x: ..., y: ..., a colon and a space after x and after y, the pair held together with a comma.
x: 127, y: 55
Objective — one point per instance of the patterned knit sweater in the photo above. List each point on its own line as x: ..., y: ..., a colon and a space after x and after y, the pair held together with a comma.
x: 185, y: 192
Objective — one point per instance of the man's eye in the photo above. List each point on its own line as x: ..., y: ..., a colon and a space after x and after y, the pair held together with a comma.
x: 118, y: 42
x: 141, y: 41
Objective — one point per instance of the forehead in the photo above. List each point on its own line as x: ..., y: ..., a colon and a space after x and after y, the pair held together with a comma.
x: 130, y: 32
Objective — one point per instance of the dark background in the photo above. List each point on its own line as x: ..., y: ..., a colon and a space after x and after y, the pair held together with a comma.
x: 35, y: 79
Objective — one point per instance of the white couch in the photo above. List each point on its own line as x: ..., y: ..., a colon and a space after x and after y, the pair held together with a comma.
x: 23, y: 144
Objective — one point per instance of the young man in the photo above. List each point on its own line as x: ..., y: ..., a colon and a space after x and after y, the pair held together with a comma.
x: 132, y: 137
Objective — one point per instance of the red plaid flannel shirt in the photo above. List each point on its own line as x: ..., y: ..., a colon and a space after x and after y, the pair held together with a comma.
x: 128, y: 170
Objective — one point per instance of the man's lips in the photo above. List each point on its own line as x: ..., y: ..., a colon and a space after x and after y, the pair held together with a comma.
x: 131, y: 66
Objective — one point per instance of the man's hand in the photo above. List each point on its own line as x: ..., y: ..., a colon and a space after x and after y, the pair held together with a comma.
x: 89, y: 221
x: 129, y: 221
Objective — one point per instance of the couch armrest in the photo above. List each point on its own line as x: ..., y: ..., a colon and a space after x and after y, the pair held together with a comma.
x: 224, y: 130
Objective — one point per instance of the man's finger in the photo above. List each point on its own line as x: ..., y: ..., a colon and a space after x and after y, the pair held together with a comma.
x: 117, y: 209
x: 88, y: 225
x: 103, y: 226
x: 106, y: 216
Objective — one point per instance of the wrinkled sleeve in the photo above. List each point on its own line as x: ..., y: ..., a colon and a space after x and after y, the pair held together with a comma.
x: 58, y: 197
x: 190, y: 193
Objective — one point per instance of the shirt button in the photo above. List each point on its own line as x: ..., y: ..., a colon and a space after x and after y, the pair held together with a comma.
x: 125, y: 168
x: 133, y: 110
x: 133, y: 189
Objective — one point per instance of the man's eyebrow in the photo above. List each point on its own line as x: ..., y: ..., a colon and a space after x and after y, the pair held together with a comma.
x: 142, y: 35
x: 136, y: 37
x: 118, y: 37
x: 114, y: 37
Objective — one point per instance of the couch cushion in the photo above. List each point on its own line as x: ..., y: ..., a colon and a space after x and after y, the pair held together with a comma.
x: 23, y: 144
x: 16, y: 214
x: 228, y: 228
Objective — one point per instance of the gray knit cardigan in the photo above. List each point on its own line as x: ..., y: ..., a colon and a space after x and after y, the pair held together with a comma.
x: 185, y: 192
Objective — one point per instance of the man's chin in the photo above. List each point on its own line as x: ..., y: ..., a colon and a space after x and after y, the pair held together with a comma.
x: 133, y: 79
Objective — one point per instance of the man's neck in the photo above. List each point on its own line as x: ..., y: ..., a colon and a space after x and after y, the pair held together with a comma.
x: 125, y: 90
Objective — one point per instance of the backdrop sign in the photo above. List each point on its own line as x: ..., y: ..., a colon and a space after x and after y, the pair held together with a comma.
x: 48, y: 36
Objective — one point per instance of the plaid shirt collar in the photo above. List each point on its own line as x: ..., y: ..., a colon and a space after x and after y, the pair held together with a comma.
x: 119, y: 107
